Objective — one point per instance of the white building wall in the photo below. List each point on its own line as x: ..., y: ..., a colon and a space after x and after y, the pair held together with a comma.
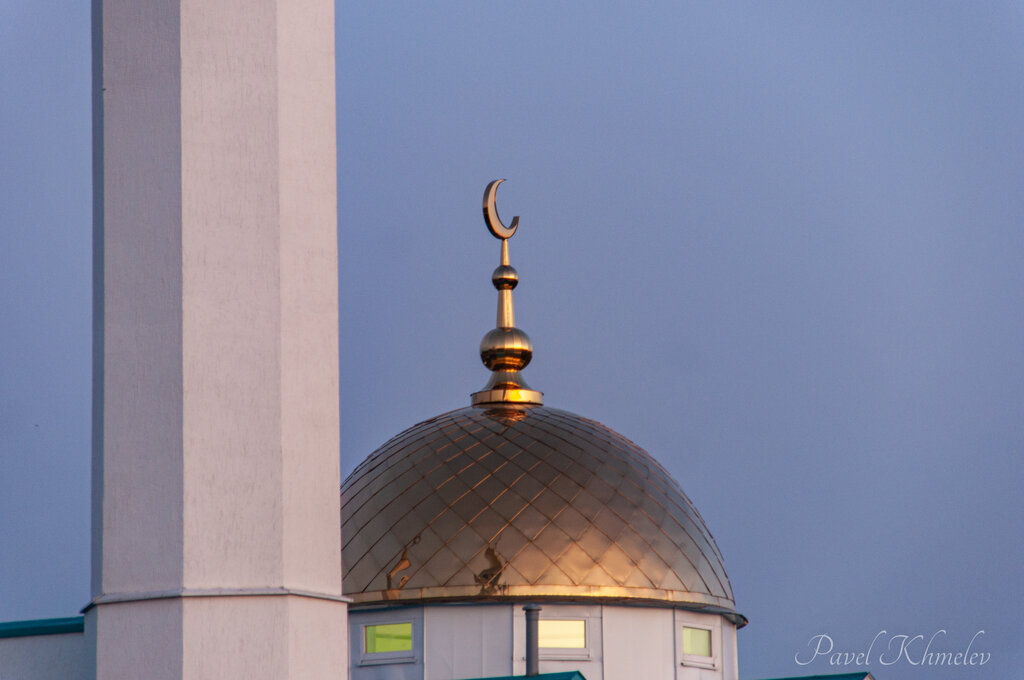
x: 590, y: 662
x: 364, y: 668
x: 730, y: 657
x: 478, y: 640
x: 722, y: 665
x: 467, y: 641
x: 639, y: 642
x: 45, y: 657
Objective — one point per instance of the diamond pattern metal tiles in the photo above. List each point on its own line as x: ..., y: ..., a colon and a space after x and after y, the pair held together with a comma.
x: 529, y: 502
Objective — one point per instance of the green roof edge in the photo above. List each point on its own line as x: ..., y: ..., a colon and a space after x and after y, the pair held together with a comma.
x: 70, y: 624
x: 561, y: 675
x: 859, y: 675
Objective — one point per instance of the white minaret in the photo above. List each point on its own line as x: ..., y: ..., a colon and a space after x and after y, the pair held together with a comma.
x: 216, y: 548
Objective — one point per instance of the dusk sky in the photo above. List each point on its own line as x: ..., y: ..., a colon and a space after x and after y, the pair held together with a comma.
x: 778, y: 245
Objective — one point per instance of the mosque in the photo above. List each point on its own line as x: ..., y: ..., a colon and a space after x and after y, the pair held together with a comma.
x: 456, y: 524
x: 505, y: 539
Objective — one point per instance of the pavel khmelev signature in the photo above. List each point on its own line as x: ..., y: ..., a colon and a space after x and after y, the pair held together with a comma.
x: 886, y: 650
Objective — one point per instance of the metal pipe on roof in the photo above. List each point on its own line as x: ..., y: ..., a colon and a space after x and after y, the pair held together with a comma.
x: 532, y: 639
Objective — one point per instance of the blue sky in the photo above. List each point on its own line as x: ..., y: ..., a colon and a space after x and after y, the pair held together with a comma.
x: 778, y: 245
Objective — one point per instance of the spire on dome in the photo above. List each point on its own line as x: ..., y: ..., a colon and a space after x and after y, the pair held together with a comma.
x: 505, y: 349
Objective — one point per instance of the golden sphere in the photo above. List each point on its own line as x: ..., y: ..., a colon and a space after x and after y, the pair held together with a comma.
x: 505, y: 277
x: 506, y: 349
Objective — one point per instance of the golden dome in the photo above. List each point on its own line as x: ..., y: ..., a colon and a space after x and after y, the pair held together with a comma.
x: 502, y: 502
x: 510, y: 500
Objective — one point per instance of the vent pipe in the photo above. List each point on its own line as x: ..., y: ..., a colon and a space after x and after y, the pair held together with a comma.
x: 532, y: 639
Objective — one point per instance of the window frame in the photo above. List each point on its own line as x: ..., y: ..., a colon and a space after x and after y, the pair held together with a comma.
x: 376, y: 658
x: 568, y: 653
x: 696, y: 621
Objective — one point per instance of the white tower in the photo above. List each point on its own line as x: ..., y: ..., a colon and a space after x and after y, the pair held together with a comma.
x: 216, y: 550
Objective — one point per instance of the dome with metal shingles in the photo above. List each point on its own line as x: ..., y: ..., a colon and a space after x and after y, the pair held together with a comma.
x: 520, y: 502
x: 510, y: 500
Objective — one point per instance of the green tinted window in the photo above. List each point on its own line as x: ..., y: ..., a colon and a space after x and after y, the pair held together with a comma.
x: 388, y: 637
x: 562, y: 634
x: 696, y: 641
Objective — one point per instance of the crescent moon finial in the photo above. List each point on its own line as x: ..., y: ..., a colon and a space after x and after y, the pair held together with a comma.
x: 505, y: 349
x: 491, y: 213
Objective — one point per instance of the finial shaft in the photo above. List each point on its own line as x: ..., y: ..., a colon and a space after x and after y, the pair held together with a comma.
x: 506, y: 314
x: 506, y: 311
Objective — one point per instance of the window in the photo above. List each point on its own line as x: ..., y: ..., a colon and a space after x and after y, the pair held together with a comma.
x: 387, y: 642
x: 565, y: 632
x: 387, y: 637
x: 562, y: 633
x: 568, y: 639
x: 696, y: 641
